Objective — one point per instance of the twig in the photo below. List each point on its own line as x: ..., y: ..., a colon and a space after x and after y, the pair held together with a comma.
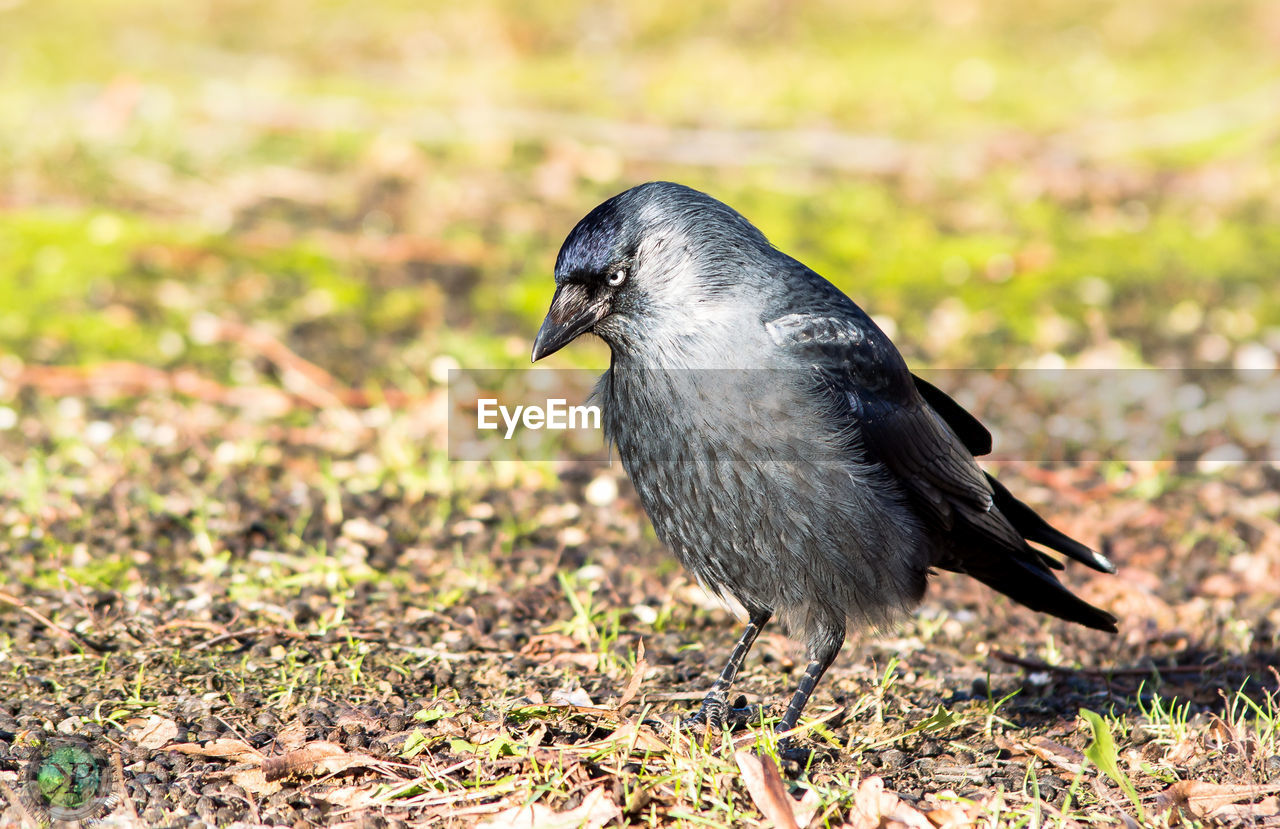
x: 1037, y: 665
x: 249, y: 633
x: 244, y: 633
x: 27, y: 818
x: 212, y: 627
x: 46, y: 622
x: 118, y: 765
x: 318, y: 386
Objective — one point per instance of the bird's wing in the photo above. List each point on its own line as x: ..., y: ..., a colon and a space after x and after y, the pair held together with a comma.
x: 927, y: 441
x: 967, y: 427
x: 876, y: 401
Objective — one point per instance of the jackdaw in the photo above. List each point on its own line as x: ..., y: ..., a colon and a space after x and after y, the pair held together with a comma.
x: 776, y: 438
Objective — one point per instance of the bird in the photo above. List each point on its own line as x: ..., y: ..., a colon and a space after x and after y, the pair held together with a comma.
x: 778, y: 441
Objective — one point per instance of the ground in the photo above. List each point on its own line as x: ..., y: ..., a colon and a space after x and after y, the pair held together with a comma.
x: 245, y: 245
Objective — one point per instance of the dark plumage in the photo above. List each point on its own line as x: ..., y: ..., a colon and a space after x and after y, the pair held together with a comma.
x: 776, y: 438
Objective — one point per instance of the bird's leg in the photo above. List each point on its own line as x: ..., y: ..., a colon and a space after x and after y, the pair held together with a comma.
x: 716, y: 703
x: 823, y: 650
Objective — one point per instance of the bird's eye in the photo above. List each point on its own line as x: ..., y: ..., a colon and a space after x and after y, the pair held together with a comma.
x: 617, y: 278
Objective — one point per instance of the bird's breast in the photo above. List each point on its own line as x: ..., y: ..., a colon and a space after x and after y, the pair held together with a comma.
x: 747, y: 485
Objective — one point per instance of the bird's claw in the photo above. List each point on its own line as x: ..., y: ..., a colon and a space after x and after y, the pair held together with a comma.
x: 716, y: 713
x: 795, y: 758
x: 742, y: 715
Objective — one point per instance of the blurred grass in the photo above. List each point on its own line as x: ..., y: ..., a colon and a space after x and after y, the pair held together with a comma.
x: 383, y: 186
x: 384, y: 183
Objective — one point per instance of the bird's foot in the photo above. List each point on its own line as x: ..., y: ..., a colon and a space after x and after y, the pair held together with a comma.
x: 742, y: 715
x: 715, y: 713
x: 790, y: 752
x: 796, y: 760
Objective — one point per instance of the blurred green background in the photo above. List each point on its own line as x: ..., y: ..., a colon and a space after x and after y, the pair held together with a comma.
x: 382, y: 184
x: 243, y: 242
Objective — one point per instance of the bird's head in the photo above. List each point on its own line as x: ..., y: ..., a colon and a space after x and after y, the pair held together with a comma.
x: 641, y: 261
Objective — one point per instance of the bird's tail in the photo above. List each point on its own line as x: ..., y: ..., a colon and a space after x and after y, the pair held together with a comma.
x: 1026, y: 575
x: 1034, y: 528
x: 1028, y: 583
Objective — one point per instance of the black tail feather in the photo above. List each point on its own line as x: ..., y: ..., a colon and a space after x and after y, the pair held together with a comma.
x: 1034, y: 528
x: 1038, y: 589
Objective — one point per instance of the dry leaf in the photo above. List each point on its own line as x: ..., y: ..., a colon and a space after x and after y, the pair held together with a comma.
x: 641, y: 738
x: 1064, y: 757
x: 866, y: 804
x: 293, y: 735
x: 255, y: 782
x: 1013, y: 747
x: 588, y: 661
x: 549, y: 644
x: 1249, y: 813
x: 224, y: 748
x: 1202, y: 800
x: 950, y: 816
x: 596, y: 810
x: 152, y: 733
x: 351, y: 797
x: 807, y: 807
x: 874, y: 807
x: 315, y: 758
x: 633, y: 684
x: 764, y: 784
x: 577, y: 698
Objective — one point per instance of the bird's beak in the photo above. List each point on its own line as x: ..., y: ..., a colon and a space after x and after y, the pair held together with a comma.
x: 572, y: 313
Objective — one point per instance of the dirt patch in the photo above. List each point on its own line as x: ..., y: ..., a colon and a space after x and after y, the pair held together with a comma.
x: 268, y: 630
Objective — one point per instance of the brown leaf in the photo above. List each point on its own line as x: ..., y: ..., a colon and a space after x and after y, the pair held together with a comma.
x: 153, y: 732
x: 589, y: 661
x: 1057, y: 754
x: 255, y: 782
x: 633, y: 684
x: 1014, y: 747
x: 1202, y: 800
x: 548, y: 644
x: 764, y: 784
x: 1249, y: 813
x: 351, y: 797
x: 868, y: 804
x: 596, y: 810
x: 637, y: 737
x: 224, y: 749
x: 315, y: 758
x: 950, y: 816
x: 807, y: 807
x: 873, y: 807
x: 293, y: 735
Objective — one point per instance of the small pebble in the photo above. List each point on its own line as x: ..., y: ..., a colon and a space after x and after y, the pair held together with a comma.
x: 893, y: 758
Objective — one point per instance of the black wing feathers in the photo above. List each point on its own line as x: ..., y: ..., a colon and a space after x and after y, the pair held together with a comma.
x: 967, y: 427
x: 928, y: 442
